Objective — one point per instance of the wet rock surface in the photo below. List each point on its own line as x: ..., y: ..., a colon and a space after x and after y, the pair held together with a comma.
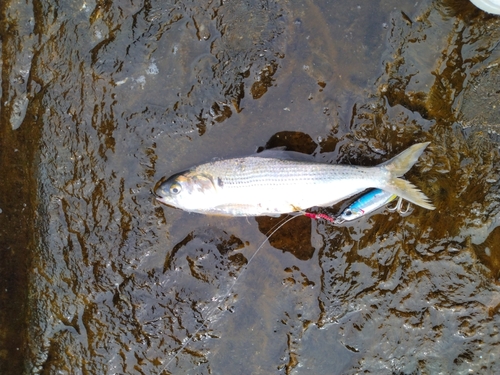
x: 101, y: 100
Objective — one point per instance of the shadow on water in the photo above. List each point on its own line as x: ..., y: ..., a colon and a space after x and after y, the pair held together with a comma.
x: 102, y: 99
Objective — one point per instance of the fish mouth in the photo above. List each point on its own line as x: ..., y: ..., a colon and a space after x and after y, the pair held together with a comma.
x: 157, y: 192
x: 164, y: 200
x: 157, y: 195
x: 157, y: 186
x: 161, y: 199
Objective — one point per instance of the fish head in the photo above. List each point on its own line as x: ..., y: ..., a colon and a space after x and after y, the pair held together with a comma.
x: 188, y: 190
x: 351, y: 213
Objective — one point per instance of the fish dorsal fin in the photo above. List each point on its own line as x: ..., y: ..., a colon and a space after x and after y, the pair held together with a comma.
x: 282, y: 154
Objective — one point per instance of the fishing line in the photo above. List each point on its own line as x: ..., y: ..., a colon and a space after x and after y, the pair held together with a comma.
x: 224, y: 298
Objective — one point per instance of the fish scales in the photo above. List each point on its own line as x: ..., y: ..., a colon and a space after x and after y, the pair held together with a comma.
x: 298, y: 183
x: 264, y: 171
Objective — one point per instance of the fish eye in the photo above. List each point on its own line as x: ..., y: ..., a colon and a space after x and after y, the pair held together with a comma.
x: 348, y: 213
x: 175, y: 188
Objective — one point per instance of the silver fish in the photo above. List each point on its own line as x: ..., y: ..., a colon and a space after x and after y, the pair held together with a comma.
x: 278, y: 182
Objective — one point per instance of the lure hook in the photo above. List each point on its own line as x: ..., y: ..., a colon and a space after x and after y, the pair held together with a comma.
x: 399, y: 207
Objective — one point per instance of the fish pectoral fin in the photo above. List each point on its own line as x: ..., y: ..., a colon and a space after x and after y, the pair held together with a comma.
x: 243, y: 210
x: 235, y: 209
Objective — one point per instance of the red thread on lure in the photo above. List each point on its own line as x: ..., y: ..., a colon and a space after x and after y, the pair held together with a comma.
x: 319, y: 216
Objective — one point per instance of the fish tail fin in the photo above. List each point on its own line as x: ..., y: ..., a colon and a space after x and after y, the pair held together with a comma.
x: 402, y: 162
x: 398, y: 166
x: 409, y: 192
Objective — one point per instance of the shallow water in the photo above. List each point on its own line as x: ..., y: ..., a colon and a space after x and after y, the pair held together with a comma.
x: 101, y: 100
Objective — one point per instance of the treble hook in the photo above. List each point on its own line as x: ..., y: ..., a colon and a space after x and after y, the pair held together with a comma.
x: 399, y: 207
